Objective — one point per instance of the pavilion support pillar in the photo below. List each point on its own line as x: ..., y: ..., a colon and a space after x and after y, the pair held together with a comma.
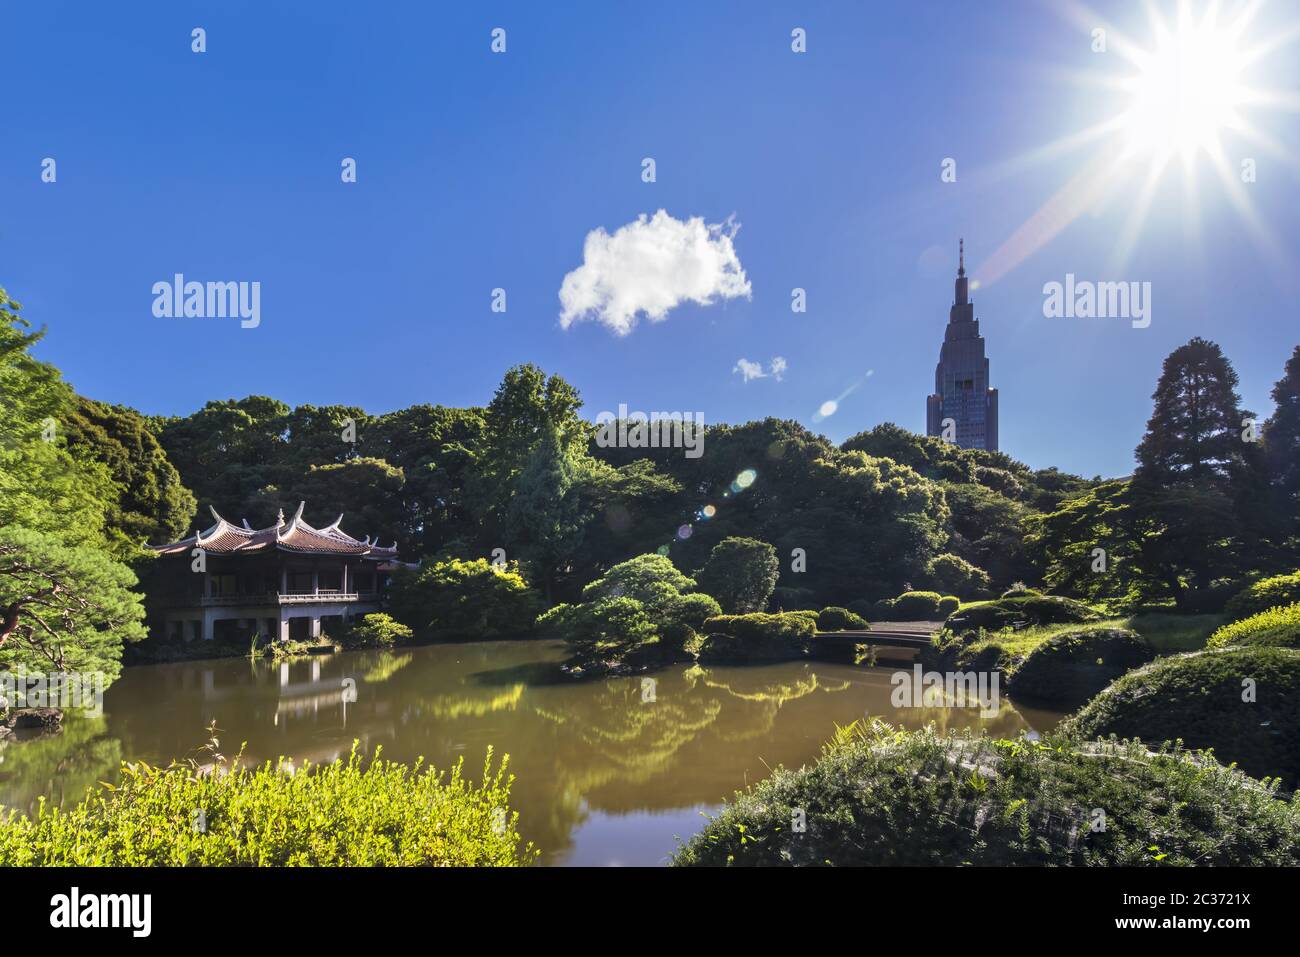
x: 284, y: 629
x: 207, y: 625
x: 315, y: 625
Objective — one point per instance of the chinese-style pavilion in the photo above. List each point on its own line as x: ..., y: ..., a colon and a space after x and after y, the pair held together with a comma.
x: 279, y: 582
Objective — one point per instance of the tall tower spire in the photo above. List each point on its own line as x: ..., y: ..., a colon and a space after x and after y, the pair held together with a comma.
x: 961, y: 289
x: 962, y: 408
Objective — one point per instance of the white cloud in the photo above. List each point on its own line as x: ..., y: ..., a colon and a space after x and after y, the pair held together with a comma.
x: 649, y: 267
x: 754, y: 370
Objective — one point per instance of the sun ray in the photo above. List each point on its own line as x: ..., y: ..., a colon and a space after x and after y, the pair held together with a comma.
x: 1188, y: 92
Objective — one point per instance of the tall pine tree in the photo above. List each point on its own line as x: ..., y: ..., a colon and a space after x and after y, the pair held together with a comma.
x: 1188, y: 502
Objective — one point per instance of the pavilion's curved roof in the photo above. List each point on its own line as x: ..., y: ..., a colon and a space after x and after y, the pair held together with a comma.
x: 225, y: 538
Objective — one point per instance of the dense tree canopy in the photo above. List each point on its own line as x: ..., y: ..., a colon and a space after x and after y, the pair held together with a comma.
x: 150, y: 502
x: 65, y: 602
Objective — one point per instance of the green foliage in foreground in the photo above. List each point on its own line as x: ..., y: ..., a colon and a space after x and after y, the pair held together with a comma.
x: 1265, y: 594
x: 1244, y: 703
x: 349, y: 813
x: 1276, y: 626
x: 880, y: 796
x: 377, y: 630
x: 1069, y: 668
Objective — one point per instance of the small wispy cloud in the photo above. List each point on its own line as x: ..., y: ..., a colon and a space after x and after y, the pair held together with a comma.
x: 754, y: 370
x: 649, y: 267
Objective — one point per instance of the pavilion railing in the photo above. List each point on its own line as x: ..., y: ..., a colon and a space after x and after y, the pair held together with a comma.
x: 290, y: 598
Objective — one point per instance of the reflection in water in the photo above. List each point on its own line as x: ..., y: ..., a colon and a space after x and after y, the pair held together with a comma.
x: 606, y: 773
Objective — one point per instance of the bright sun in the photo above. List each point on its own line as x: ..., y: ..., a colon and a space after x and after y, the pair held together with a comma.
x: 1186, y: 91
x: 1188, y: 98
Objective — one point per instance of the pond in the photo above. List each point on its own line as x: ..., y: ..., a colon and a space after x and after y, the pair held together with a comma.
x: 609, y: 772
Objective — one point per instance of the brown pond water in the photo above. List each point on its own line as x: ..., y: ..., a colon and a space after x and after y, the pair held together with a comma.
x: 605, y: 775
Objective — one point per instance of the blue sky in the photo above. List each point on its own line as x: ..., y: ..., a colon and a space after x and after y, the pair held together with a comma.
x: 479, y: 170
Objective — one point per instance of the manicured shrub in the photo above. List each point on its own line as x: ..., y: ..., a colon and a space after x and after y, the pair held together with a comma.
x: 1275, y: 626
x: 1068, y: 669
x: 1198, y: 697
x: 880, y: 796
x: 377, y: 630
x: 953, y: 575
x: 692, y: 610
x: 947, y: 605
x: 740, y: 574
x: 757, y: 636
x: 840, y: 619
x: 911, y: 606
x: 606, y: 621
x: 640, y: 614
x: 458, y: 599
x: 1264, y: 594
x: 1029, y: 610
x: 349, y: 813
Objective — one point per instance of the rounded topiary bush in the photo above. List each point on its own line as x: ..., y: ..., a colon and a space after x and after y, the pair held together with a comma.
x: 757, y: 636
x: 947, y: 605
x: 1264, y: 594
x: 909, y: 606
x: 1199, y: 698
x: 834, y: 618
x: 1279, y: 627
x: 887, y: 797
x: 1069, y: 668
x: 1027, y: 609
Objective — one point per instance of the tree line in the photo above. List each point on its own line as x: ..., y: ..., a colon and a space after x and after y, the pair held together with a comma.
x: 1213, y: 501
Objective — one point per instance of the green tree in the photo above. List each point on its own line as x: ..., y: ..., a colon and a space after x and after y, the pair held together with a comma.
x: 545, y: 519
x: 643, y: 610
x: 366, y: 491
x: 377, y: 630
x: 740, y: 574
x: 150, y: 503
x: 1066, y: 541
x: 1282, y: 448
x: 437, y: 450
x: 63, y: 608
x: 456, y: 599
x: 953, y: 575
x: 43, y: 486
x: 1188, y: 501
x: 228, y: 451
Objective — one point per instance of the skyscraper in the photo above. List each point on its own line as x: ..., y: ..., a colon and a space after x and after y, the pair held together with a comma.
x: 962, y: 399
